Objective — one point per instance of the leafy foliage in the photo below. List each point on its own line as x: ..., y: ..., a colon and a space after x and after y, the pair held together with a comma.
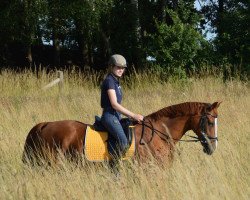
x: 175, y: 46
x: 230, y: 19
x: 86, y: 33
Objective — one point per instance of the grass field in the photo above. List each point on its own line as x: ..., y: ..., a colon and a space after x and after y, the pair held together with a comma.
x: 193, y: 174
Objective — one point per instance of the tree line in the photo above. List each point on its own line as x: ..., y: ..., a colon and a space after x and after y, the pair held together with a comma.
x: 165, y: 34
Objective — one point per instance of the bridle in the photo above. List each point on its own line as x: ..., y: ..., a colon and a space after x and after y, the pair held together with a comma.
x: 166, y: 137
x: 203, y: 122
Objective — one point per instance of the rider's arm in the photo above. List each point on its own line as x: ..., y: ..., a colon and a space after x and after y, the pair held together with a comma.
x: 118, y: 107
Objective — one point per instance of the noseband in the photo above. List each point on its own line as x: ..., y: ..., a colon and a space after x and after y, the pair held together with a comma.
x: 202, y: 124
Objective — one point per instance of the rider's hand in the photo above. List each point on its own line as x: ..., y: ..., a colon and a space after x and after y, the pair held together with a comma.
x: 138, y: 117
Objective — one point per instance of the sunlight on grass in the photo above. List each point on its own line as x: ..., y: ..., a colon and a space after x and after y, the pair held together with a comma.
x: 192, y: 175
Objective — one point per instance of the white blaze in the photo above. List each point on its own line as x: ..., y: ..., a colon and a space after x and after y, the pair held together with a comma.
x: 215, y: 131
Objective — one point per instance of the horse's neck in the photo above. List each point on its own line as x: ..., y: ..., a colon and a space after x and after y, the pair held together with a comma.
x: 174, y: 127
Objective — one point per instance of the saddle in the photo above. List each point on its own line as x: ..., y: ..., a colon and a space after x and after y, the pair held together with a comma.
x: 96, y: 141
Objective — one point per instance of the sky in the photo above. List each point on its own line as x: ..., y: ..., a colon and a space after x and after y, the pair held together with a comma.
x: 209, y: 35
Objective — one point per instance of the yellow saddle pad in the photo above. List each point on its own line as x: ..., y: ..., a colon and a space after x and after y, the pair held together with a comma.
x: 96, y: 146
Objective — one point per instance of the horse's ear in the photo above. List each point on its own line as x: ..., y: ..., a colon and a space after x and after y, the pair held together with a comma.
x: 215, y: 105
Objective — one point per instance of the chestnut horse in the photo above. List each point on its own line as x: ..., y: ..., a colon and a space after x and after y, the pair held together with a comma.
x: 156, y: 135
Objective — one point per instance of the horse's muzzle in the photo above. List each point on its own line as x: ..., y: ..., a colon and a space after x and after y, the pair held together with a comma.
x: 208, y: 151
x: 208, y: 146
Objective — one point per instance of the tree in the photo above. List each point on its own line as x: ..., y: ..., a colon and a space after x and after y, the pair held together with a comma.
x: 125, y: 35
x: 56, y: 26
x: 88, y: 18
x: 29, y: 23
x: 20, y: 23
x: 175, y: 44
x: 230, y: 20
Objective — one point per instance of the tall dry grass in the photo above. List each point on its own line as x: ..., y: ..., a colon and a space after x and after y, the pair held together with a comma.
x: 193, y: 175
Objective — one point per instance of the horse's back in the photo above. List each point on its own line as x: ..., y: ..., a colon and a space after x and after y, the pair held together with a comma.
x: 66, y: 135
x: 59, y: 131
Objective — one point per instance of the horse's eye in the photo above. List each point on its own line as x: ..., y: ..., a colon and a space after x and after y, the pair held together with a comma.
x: 211, y: 124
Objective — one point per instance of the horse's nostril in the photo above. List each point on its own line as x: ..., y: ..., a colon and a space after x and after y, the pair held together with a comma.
x: 208, y: 151
x: 205, y: 150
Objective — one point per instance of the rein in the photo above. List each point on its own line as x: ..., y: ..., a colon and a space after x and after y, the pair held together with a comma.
x: 159, y: 132
x: 203, y: 121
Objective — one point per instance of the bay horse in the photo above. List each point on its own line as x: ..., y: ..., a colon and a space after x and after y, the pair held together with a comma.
x: 156, y: 135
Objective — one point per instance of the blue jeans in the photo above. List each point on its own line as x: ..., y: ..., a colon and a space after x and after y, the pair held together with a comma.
x: 117, y: 142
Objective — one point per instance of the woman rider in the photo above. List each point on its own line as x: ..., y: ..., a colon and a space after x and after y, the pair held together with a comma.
x: 111, y: 98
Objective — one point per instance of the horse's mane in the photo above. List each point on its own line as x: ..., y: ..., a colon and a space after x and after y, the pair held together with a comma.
x: 182, y: 109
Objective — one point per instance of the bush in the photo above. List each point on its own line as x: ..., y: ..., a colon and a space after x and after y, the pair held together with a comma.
x: 175, y: 46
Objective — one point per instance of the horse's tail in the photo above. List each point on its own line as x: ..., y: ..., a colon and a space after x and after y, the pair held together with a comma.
x: 32, y: 143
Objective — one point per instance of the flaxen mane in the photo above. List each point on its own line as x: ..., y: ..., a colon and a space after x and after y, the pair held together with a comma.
x: 183, y: 109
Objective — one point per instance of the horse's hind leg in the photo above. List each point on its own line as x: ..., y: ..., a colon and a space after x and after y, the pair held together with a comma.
x: 32, y: 146
x: 28, y: 157
x: 72, y: 150
x: 73, y: 155
x: 32, y: 152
